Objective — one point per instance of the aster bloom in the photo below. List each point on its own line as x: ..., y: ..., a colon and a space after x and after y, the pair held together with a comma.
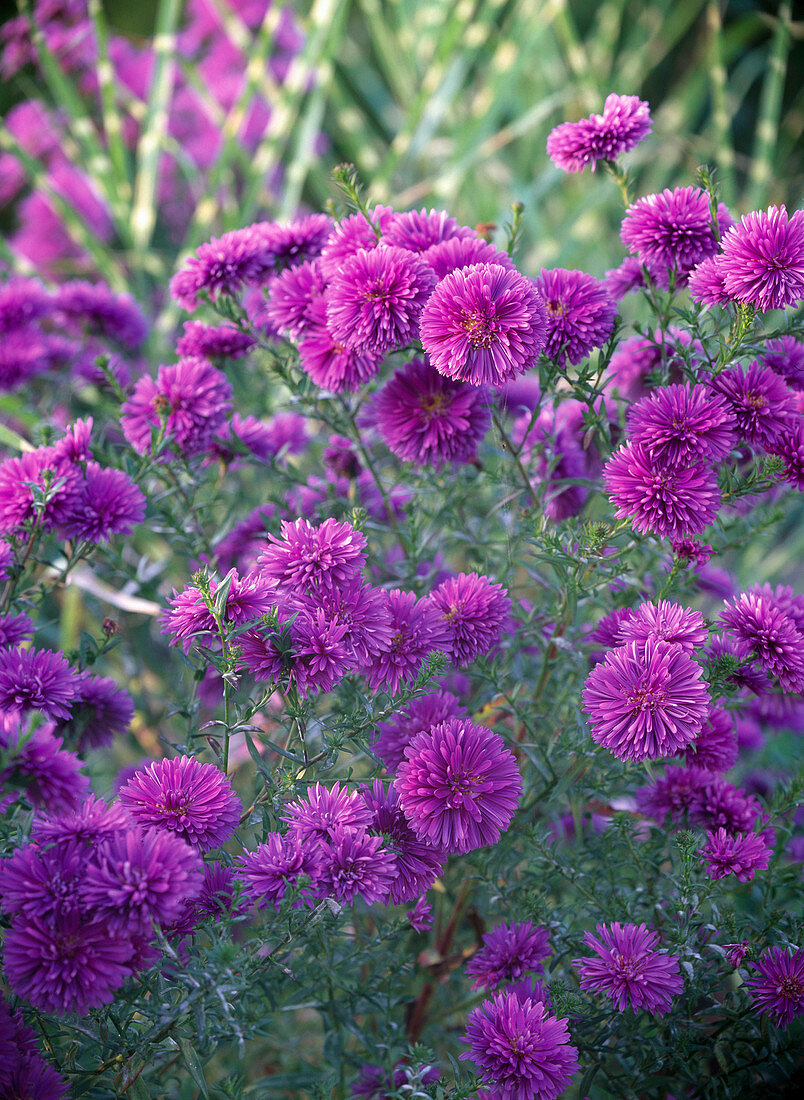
x: 428, y: 419
x: 363, y: 611
x: 790, y: 448
x: 418, y: 864
x: 509, y: 951
x: 764, y: 409
x: 629, y: 968
x: 48, y: 774
x: 89, y: 823
x: 277, y: 865
x: 420, y: 917
x: 100, y: 711
x: 681, y: 423
x: 777, y: 986
x: 330, y: 364
x: 66, y: 967
x: 418, y: 628
x: 785, y: 356
x: 23, y: 1071
x: 351, y: 235
x: 189, y: 620
x: 292, y: 294
x: 213, y: 342
x: 324, y: 811
x: 107, y: 503
x: 521, y: 1051
x: 457, y: 252
x: 296, y: 243
x: 762, y: 628
x: 37, y: 679
x: 57, y: 483
x: 44, y: 882
x: 667, y: 621
x: 419, y: 230
x: 142, y: 876
x: 670, y: 502
x: 580, y: 314
x: 646, y: 700
x: 625, y: 122
x: 719, y: 804
x: 192, y: 396
x: 224, y: 265
x: 418, y: 715
x: 15, y: 629
x: 740, y: 854
x: 354, y: 864
x: 458, y: 786
x: 94, y: 305
x: 186, y: 797
x: 736, y: 952
x: 307, y: 558
x: 484, y: 324
x: 715, y: 748
x: 706, y: 282
x: 695, y: 552
x: 475, y: 611
x: 375, y: 301
x: 763, y: 259
x: 672, y: 229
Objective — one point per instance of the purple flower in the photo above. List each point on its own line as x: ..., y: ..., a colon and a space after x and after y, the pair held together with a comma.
x: 475, y: 611
x: 186, y: 797
x: 762, y: 628
x: 101, y: 710
x: 763, y: 259
x: 509, y: 951
x: 375, y: 301
x: 351, y: 235
x: 353, y: 864
x: 672, y: 229
x: 669, y: 622
x: 777, y: 988
x: 418, y: 864
x: 223, y: 266
x: 428, y: 419
x: 92, y: 821
x: 694, y: 552
x: 715, y: 748
x: 363, y: 610
x: 580, y: 314
x: 418, y: 716
x: 764, y: 409
x: 418, y: 628
x: 308, y: 558
x: 646, y: 700
x: 718, y: 803
x: 484, y: 324
x: 520, y: 1050
x: 681, y: 424
x: 785, y: 356
x: 57, y: 483
x: 23, y: 1071
x: 418, y: 230
x: 277, y: 865
x: 65, y: 967
x: 37, y: 679
x: 323, y: 356
x: 192, y: 396
x: 108, y: 503
x: 297, y: 242
x: 458, y: 786
x: 44, y: 882
x: 309, y: 650
x: 420, y: 917
x: 325, y: 811
x: 670, y: 502
x: 625, y: 122
x: 629, y: 968
x: 114, y: 316
x: 210, y: 342
x: 142, y: 876
x: 289, y: 307
x: 458, y: 252
x: 740, y: 854
x: 790, y: 448
x: 14, y: 630
x: 48, y: 774
x: 190, y: 621
x: 736, y: 952
x: 706, y: 282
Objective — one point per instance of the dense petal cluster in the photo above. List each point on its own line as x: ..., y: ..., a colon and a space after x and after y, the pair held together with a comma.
x: 308, y: 558
x: 629, y: 968
x: 766, y: 631
x: 419, y: 715
x: 679, y: 424
x: 741, y: 854
x: 763, y: 259
x: 672, y: 229
x: 625, y: 122
x: 508, y: 952
x: 580, y: 314
x: 475, y: 611
x: 777, y: 986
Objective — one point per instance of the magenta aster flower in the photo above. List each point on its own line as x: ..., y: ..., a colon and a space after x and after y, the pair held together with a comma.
x: 418, y: 230
x: 66, y: 967
x: 14, y: 630
x: 354, y: 864
x: 629, y: 968
x: 94, y: 820
x: 509, y: 951
x: 418, y: 864
x: 458, y: 252
x: 458, y: 786
x: 418, y: 628
x: 23, y: 1071
x: 625, y: 122
x: 186, y: 797
x: 223, y: 265
x: 672, y: 229
x: 580, y: 314
x: 37, y: 679
x: 670, y: 502
x: 323, y: 356
x: 363, y: 611
x: 192, y: 395
x: 646, y: 700
x: 350, y: 236
x: 484, y: 324
x: 420, y: 917
x: 762, y: 628
x: 475, y: 611
x: 325, y: 811
x: 309, y: 650
x: 764, y: 409
x: 740, y: 854
x: 100, y: 711
x: 763, y: 259
x: 777, y: 988
x: 95, y: 307
x: 680, y: 424
x: 697, y: 553
x: 428, y: 419
x: 715, y: 748
x: 189, y: 620
x: 297, y: 242
x: 289, y: 307
x: 520, y: 1050
x: 790, y: 448
x: 275, y: 866
x: 108, y: 503
x: 418, y: 716
x: 785, y: 356
x: 706, y: 282
x: 376, y: 299
x: 719, y: 804
x: 48, y: 774
x: 57, y: 483
x: 308, y: 558
x: 213, y: 342
x: 667, y: 621
x: 45, y: 882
